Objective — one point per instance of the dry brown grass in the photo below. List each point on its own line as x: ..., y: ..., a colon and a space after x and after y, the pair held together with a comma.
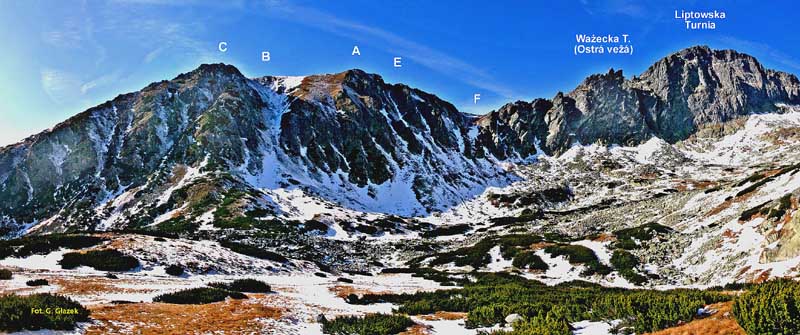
x: 763, y: 276
x: 730, y: 234
x: 70, y: 286
x: 540, y: 245
x: 227, y: 317
x: 691, y: 184
x: 721, y: 207
x: 82, y: 287
x: 748, y: 275
x: 605, y: 237
x: 782, y: 136
x: 440, y: 315
x: 343, y: 291
x: 313, y: 85
x: 417, y: 330
x: 770, y: 173
x: 721, y: 323
x: 178, y: 172
x: 703, y: 184
x: 742, y: 271
x: 93, y: 285
x: 727, y: 203
x: 121, y: 243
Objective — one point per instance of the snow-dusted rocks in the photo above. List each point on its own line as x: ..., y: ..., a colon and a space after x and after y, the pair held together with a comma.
x: 348, y: 170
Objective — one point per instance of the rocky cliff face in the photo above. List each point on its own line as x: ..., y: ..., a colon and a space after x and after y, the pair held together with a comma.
x: 134, y: 140
x: 370, y: 130
x: 383, y: 146
x: 699, y: 86
x: 179, y: 150
x: 514, y: 131
x: 670, y: 100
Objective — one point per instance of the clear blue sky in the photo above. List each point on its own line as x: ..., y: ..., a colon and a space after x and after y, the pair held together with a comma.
x: 61, y: 57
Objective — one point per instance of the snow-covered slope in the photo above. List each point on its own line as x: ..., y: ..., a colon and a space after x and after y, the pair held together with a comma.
x: 312, y: 166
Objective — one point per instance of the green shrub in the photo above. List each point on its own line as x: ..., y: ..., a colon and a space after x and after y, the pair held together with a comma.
x: 755, y: 186
x: 244, y: 285
x: 649, y: 311
x: 200, y: 295
x: 493, y: 296
x: 258, y: 212
x: 771, y: 212
x: 784, y: 204
x: 752, y: 178
x: 45, y: 244
x: 622, y: 259
x: 551, y: 323
x: 441, y: 277
x: 366, y: 229
x: 5, y: 274
x: 174, y: 270
x: 18, y: 312
x: 103, y: 260
x: 770, y: 308
x: 626, y: 264
x: 176, y: 226
x: 477, y: 255
x: 747, y: 214
x: 374, y: 324
x: 249, y: 250
x: 529, y: 260
x: 446, y: 231
x: 646, y: 232
x: 576, y: 254
x: 238, y: 223
x: 37, y: 282
x: 314, y: 226
x: 633, y: 277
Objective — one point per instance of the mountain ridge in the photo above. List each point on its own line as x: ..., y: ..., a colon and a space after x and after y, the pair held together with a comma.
x: 349, y: 137
x: 231, y: 69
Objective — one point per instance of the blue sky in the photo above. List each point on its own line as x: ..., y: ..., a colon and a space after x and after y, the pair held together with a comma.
x: 61, y: 57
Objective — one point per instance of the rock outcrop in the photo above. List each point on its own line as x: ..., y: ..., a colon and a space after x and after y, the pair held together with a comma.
x: 671, y: 100
x: 177, y: 148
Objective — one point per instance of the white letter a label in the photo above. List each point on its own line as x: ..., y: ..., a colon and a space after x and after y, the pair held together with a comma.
x: 356, y: 51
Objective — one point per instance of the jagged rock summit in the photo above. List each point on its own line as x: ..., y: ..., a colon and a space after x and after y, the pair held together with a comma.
x: 670, y: 100
x: 177, y: 151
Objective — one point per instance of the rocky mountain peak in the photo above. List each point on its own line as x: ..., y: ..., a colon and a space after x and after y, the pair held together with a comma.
x: 698, y: 86
x: 352, y: 138
x: 612, y: 76
x: 213, y: 69
x: 694, y: 50
x: 357, y: 77
x: 704, y: 52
